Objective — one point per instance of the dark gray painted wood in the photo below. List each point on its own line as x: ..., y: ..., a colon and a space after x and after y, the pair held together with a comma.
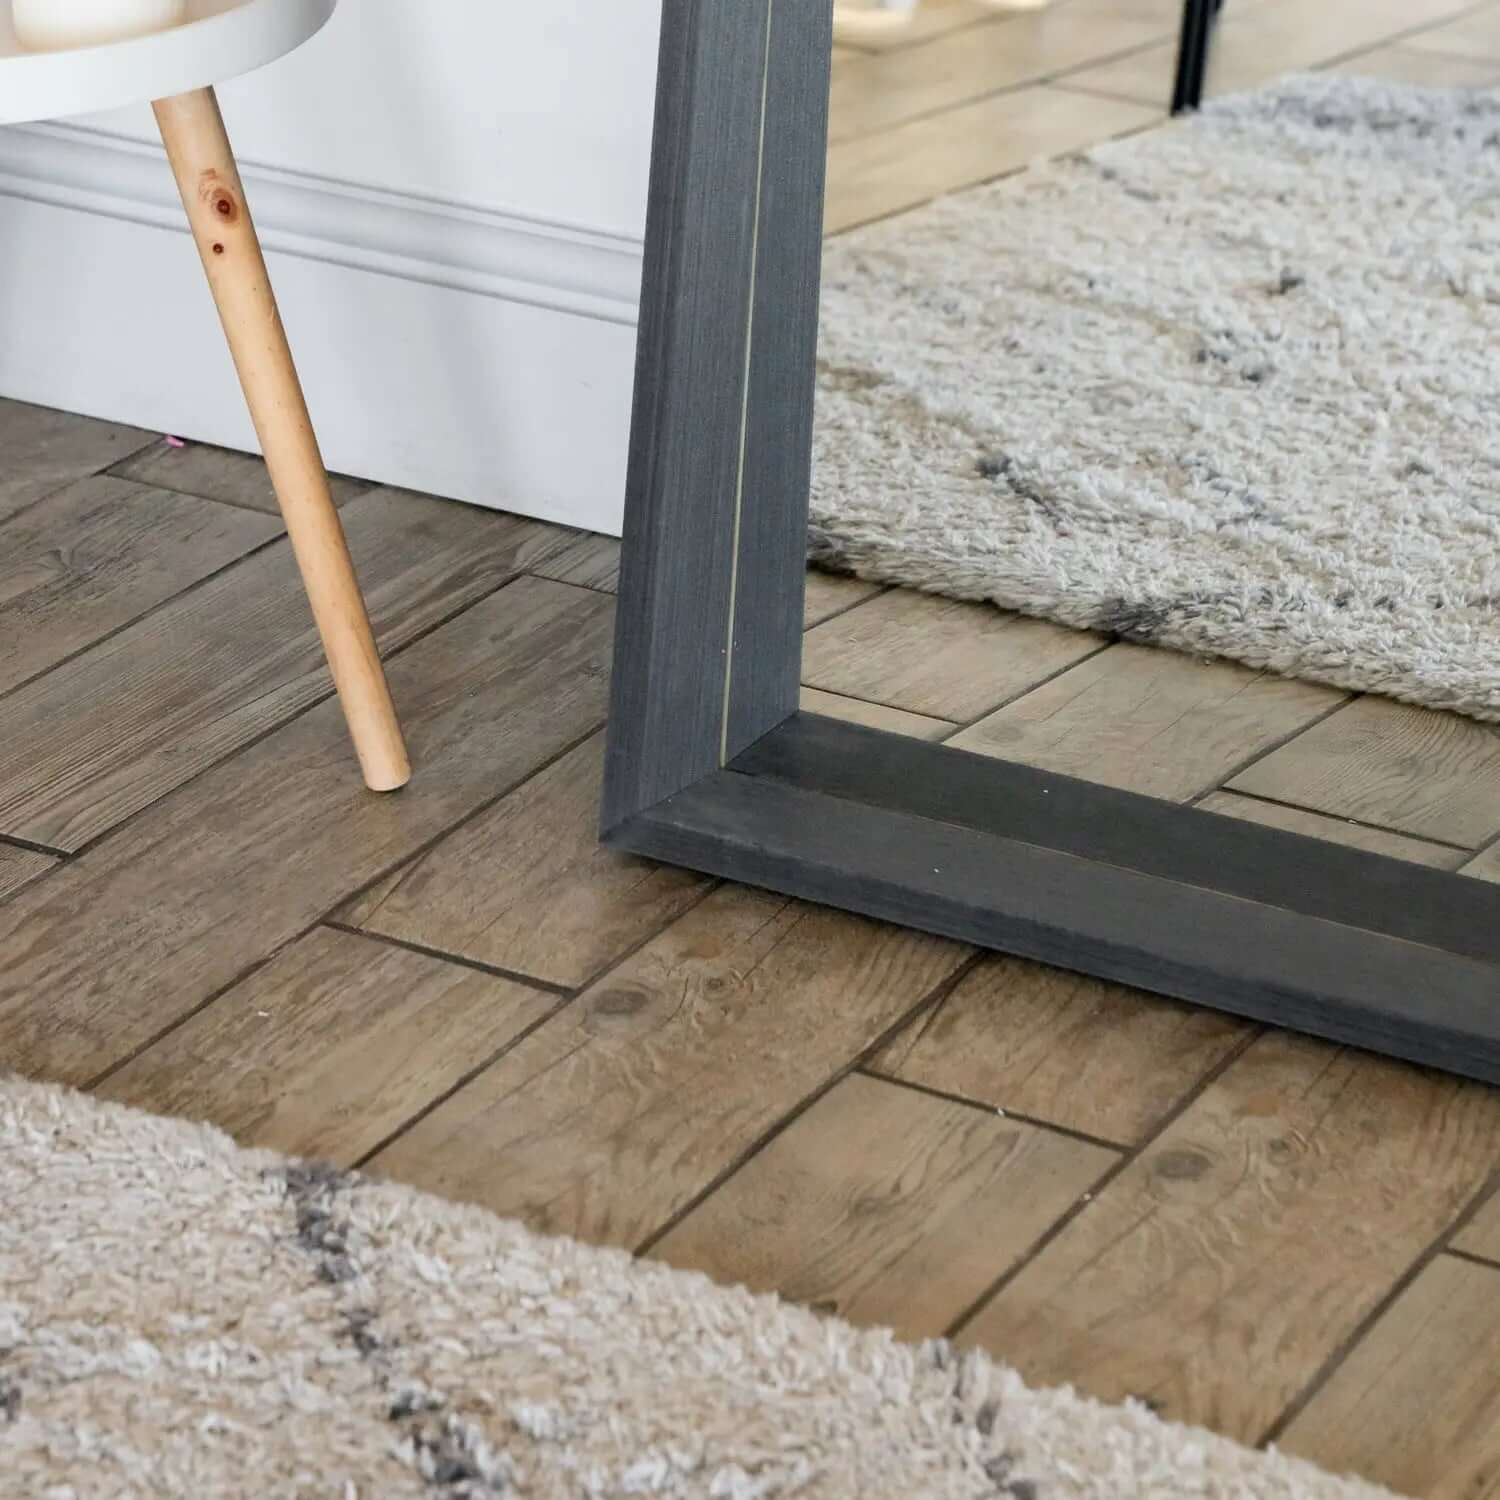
x: 1233, y: 856
x: 1253, y: 920
x: 667, y: 714
x: 1348, y: 984
x: 772, y: 565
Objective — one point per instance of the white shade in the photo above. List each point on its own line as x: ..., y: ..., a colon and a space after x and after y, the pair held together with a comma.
x: 218, y: 39
x: 51, y: 25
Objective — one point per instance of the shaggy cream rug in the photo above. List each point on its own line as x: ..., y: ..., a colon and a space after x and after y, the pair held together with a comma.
x: 182, y: 1318
x: 1227, y: 386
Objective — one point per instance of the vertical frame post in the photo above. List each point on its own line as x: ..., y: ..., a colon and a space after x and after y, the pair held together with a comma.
x: 771, y: 573
x: 708, y: 637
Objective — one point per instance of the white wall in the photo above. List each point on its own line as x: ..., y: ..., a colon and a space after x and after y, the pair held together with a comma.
x: 452, y: 194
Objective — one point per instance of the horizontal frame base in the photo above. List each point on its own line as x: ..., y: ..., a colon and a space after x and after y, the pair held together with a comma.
x: 1292, y: 931
x: 708, y: 764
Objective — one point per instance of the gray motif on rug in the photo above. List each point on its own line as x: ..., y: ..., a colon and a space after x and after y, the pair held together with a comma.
x: 182, y: 1318
x: 1230, y: 386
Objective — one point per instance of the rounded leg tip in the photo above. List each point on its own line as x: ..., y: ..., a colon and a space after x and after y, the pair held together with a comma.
x: 387, y: 781
x: 387, y: 774
x: 380, y: 749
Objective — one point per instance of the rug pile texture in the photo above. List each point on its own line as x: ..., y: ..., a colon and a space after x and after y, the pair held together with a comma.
x: 179, y: 1317
x: 1228, y: 386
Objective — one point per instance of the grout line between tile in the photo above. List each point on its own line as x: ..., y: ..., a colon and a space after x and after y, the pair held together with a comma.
x: 566, y: 995
x: 444, y: 1095
x: 1473, y: 1259
x: 1280, y: 743
x: 324, y: 916
x: 459, y: 960
x: 934, y: 996
x: 161, y: 604
x: 1321, y: 1376
x: 327, y: 692
x: 1167, y: 1120
x: 1016, y: 171
x: 1036, y: 80
x: 1415, y: 838
x: 15, y: 841
x: 844, y: 609
x: 1116, y: 1148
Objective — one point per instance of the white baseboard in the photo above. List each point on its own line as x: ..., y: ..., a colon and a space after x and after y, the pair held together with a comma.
x: 447, y: 348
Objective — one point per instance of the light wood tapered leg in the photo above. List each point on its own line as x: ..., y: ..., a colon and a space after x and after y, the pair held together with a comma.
x: 192, y: 130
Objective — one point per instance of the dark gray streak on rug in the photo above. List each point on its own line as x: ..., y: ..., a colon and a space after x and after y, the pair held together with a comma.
x: 182, y: 1318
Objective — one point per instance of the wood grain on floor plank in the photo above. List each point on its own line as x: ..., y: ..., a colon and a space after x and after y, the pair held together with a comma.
x: 1428, y: 69
x: 1083, y: 1053
x: 1145, y: 75
x: 831, y: 594
x: 883, y: 90
x: 615, y: 1114
x: 875, y: 175
x: 1150, y: 721
x: 108, y: 951
x: 1335, y: 830
x: 1416, y: 1405
x: 592, y: 562
x: 99, y: 553
x: 20, y: 867
x: 1482, y: 1235
x: 104, y: 735
x: 1224, y: 1270
x: 1224, y: 1266
x: 1433, y: 775
x: 331, y: 1047
x: 41, y: 450
x: 527, y: 886
x: 936, y: 657
x: 875, y: 715
x: 220, y: 474
x: 1473, y: 34
x: 887, y: 1206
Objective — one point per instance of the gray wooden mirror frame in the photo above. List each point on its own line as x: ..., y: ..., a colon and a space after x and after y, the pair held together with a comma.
x: 711, y: 765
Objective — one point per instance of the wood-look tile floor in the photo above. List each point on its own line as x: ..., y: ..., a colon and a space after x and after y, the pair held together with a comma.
x: 202, y: 913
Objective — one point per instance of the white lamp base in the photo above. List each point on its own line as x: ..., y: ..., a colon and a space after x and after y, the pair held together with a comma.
x: 55, y: 25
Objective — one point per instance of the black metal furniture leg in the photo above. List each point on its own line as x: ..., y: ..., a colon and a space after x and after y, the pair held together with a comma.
x: 1192, y: 53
